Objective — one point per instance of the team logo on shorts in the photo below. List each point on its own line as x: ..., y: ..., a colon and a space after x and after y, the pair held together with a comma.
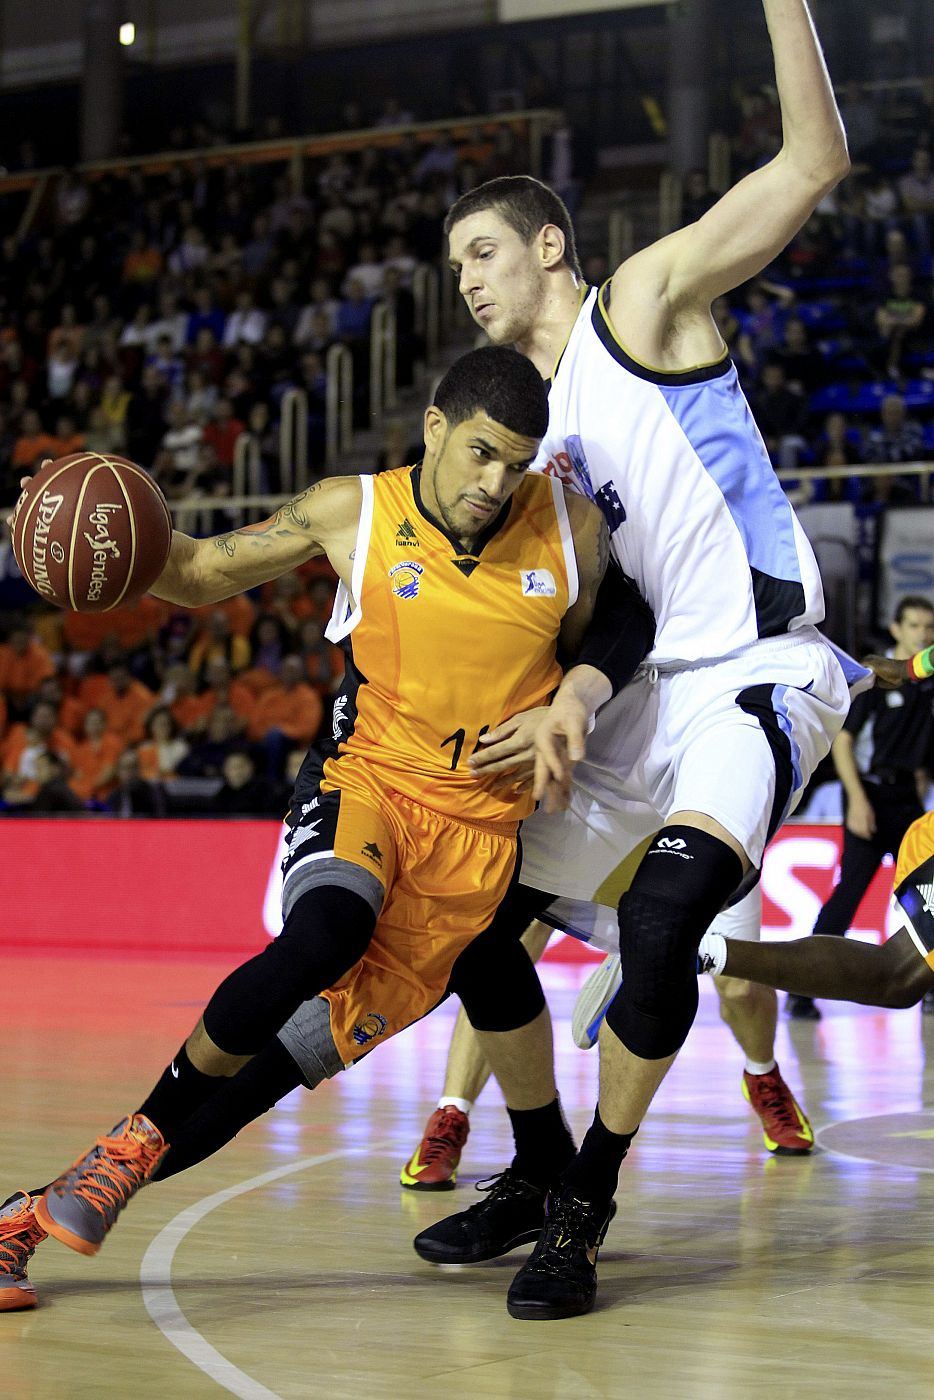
x: 371, y: 849
x: 537, y: 583
x: 406, y: 577
x: 369, y: 1028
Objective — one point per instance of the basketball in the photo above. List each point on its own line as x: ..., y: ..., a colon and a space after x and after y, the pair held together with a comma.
x: 91, y: 532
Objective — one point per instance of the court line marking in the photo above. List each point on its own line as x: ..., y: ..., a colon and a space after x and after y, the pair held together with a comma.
x: 155, y: 1274
x: 872, y: 1161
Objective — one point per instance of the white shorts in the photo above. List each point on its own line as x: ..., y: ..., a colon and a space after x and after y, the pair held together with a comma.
x: 737, y: 739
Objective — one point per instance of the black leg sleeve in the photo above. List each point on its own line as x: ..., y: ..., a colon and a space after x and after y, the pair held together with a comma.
x: 327, y: 931
x: 247, y: 1095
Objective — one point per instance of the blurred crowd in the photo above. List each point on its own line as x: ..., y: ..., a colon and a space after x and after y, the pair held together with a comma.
x: 150, y: 711
x: 162, y: 316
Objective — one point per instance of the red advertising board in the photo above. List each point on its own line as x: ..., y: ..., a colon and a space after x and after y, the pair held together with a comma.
x: 212, y: 886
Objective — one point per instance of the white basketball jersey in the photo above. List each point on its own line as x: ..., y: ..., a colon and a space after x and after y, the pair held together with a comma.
x: 697, y: 517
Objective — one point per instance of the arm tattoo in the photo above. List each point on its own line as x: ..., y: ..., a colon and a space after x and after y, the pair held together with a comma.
x: 292, y: 513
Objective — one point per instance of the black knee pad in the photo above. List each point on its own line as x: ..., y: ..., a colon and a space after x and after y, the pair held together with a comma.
x: 494, y: 976
x: 682, y: 883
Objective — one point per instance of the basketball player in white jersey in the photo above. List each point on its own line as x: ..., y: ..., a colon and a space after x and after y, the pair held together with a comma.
x: 693, y: 766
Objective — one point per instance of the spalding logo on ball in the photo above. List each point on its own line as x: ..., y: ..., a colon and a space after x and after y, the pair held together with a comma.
x: 91, y: 531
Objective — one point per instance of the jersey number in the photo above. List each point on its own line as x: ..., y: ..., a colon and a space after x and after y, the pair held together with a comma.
x: 457, y: 739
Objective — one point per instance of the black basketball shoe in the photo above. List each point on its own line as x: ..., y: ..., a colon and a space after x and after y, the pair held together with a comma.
x: 560, y: 1277
x: 513, y: 1213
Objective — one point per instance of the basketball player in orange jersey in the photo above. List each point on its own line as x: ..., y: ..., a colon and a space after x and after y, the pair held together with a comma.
x: 458, y: 579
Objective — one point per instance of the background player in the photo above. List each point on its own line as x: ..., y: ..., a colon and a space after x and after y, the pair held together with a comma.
x: 882, y: 756
x: 705, y: 753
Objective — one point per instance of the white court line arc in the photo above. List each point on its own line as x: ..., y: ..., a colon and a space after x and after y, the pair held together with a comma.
x: 155, y: 1274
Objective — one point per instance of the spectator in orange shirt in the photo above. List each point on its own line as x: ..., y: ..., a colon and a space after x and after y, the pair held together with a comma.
x: 216, y: 642
x: 126, y: 703
x: 66, y: 438
x: 180, y: 693
x: 21, y: 750
x: 241, y: 614
x: 287, y: 714
x: 24, y: 664
x: 224, y: 690
x: 287, y: 598
x: 33, y: 444
x: 222, y: 433
x: 143, y: 262
x: 164, y: 748
x: 3, y: 715
x: 69, y: 711
x: 94, y: 766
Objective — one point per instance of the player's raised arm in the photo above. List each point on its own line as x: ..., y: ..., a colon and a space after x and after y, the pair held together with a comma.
x: 321, y: 520
x: 754, y: 220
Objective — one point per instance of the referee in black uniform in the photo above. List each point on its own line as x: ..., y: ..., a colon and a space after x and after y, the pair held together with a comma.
x: 881, y: 756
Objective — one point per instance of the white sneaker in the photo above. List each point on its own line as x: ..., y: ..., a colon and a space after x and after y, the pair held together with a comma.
x: 593, y: 999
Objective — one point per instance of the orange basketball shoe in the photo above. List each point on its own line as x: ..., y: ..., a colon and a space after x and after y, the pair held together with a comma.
x: 434, y: 1165
x: 787, y: 1130
x: 20, y: 1232
x: 82, y: 1204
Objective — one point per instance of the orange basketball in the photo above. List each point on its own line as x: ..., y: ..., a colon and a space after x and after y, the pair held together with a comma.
x: 91, y: 532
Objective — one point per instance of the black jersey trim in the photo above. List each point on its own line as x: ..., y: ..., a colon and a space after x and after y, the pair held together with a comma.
x: 697, y: 374
x: 778, y: 602
x: 482, y: 540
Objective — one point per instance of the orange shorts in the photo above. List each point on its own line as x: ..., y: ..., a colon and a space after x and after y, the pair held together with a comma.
x: 434, y: 883
x: 914, y: 885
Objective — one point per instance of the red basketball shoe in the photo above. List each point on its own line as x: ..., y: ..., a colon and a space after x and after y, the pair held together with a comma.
x: 787, y: 1130
x: 434, y: 1165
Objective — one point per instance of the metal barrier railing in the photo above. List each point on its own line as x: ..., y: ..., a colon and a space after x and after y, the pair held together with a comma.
x: 247, y: 464
x: 803, y: 475
x: 338, y: 429
x: 269, y: 502
x: 382, y: 362
x: 426, y: 292
x: 293, y: 440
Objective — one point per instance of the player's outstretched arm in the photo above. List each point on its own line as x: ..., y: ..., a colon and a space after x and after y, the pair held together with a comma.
x: 754, y: 220
x: 321, y: 520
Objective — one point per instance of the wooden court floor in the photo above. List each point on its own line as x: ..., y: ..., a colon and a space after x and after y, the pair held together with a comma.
x: 283, y: 1267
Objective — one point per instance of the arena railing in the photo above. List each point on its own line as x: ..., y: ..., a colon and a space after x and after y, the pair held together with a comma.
x: 268, y: 502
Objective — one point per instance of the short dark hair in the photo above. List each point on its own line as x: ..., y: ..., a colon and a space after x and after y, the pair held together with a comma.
x: 497, y: 381
x: 526, y: 205
x: 911, y: 600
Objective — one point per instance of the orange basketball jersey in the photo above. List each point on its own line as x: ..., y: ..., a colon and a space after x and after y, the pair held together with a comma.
x: 443, y: 645
x: 914, y: 884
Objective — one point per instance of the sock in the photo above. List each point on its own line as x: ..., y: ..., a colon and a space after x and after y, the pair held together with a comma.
x: 594, y: 1173
x: 544, y: 1145
x: 754, y: 1066
x: 263, y: 1082
x: 711, y: 955
x: 449, y: 1101
x: 180, y: 1090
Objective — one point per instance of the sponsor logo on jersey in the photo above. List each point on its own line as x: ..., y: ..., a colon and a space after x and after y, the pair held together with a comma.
x: 405, y: 536
x: 927, y: 894
x: 369, y: 1028
x: 372, y: 852
x: 406, y: 577
x: 537, y: 583
x: 338, y: 715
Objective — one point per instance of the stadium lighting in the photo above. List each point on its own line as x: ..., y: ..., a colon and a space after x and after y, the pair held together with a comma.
x: 127, y: 35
